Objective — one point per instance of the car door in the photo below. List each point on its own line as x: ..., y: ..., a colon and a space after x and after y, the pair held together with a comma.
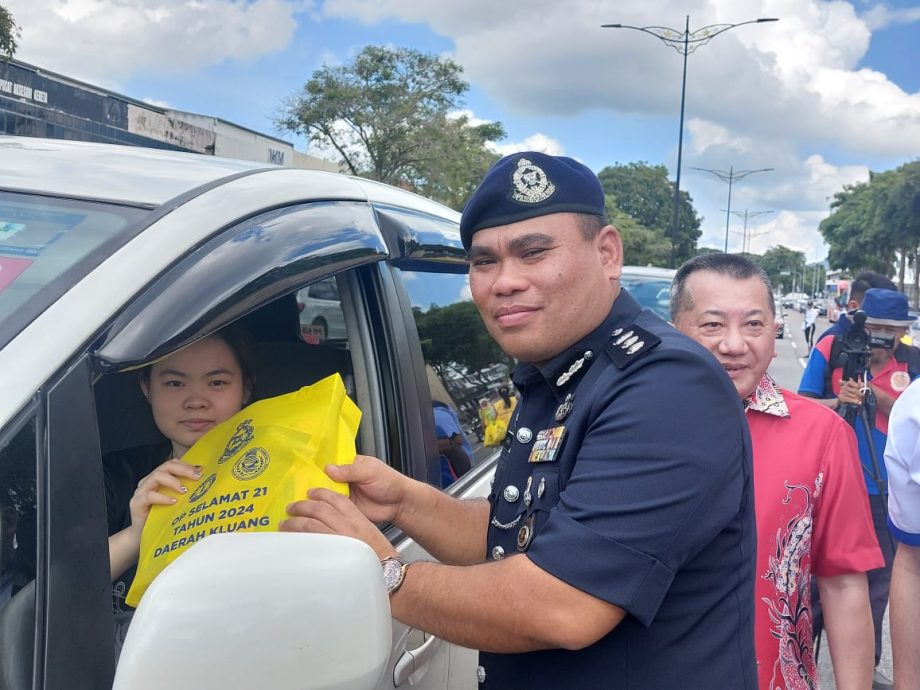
x: 379, y: 278
x: 247, y: 273
x: 456, y: 364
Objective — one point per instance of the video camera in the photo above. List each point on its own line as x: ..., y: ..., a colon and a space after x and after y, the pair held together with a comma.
x: 856, y: 344
x: 857, y: 341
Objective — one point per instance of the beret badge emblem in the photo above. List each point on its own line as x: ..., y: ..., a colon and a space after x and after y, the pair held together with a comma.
x: 531, y: 185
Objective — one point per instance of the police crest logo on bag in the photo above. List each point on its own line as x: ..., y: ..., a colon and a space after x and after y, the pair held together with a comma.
x: 252, y: 464
x: 240, y: 439
x: 202, y: 489
x: 292, y: 438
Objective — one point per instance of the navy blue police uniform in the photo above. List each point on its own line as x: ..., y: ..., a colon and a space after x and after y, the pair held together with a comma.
x: 626, y: 473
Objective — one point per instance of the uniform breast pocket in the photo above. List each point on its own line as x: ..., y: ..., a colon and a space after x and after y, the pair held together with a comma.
x: 541, y: 495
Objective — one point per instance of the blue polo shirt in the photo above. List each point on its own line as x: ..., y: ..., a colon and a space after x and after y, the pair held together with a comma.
x: 644, y: 500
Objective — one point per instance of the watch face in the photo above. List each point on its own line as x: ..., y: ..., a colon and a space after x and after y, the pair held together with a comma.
x: 392, y: 574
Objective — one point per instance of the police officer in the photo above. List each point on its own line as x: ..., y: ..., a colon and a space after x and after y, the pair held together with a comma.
x: 617, y: 547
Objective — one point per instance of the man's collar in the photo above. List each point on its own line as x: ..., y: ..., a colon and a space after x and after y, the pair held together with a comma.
x: 566, y: 365
x: 767, y: 398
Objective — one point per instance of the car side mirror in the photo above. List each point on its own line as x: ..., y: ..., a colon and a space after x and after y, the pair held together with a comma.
x: 261, y: 610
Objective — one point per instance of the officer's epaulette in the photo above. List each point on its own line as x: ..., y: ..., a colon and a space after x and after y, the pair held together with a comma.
x: 628, y: 344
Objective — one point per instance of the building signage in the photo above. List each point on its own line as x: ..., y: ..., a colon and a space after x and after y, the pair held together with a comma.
x: 23, y: 91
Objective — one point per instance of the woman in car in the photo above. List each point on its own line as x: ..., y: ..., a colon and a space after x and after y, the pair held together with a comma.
x: 189, y: 392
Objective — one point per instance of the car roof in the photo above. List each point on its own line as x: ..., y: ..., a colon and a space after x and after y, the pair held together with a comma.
x: 125, y: 174
x: 649, y: 272
x: 152, y: 177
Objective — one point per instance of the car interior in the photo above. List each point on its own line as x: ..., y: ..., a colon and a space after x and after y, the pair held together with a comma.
x: 282, y: 362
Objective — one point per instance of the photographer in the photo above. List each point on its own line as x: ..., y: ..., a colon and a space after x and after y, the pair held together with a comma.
x: 890, y: 366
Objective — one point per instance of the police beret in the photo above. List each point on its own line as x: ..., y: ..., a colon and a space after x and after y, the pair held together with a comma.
x: 527, y: 185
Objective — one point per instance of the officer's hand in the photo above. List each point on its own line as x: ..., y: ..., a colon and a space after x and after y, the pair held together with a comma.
x: 376, y: 488
x: 328, y: 512
x: 851, y: 392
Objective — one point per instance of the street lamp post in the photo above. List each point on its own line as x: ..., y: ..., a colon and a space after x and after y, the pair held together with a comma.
x: 730, y: 177
x: 684, y: 43
x: 745, y: 238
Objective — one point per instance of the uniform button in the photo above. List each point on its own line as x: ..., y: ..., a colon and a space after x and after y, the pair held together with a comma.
x: 511, y: 493
x: 498, y: 553
x: 480, y: 674
x: 524, y: 435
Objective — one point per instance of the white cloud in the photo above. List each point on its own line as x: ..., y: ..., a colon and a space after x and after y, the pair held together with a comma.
x: 796, y: 79
x: 880, y: 16
x: 535, y: 142
x: 105, y: 41
x: 157, y: 102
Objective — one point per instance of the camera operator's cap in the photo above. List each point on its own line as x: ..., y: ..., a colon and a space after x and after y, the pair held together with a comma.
x: 886, y: 308
x: 527, y: 185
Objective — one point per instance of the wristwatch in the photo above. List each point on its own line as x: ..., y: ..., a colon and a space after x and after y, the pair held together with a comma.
x: 394, y: 572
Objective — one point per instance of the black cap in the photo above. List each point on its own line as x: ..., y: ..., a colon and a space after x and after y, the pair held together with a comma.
x: 527, y: 185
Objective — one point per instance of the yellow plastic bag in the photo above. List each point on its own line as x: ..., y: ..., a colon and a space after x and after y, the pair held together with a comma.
x: 495, y: 422
x: 253, y: 465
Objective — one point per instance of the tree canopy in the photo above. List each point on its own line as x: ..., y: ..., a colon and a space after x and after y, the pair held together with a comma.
x: 392, y: 114
x: 644, y: 193
x: 9, y: 33
x: 875, y: 225
x: 454, y: 335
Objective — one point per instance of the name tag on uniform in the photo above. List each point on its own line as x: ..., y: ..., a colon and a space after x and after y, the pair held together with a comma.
x: 548, y: 444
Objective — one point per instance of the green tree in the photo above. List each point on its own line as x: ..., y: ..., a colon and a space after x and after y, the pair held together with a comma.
x: 785, y: 267
x: 857, y: 242
x: 9, y: 33
x: 641, y: 245
x: 462, y: 159
x: 389, y: 116
x: 644, y: 193
x: 897, y: 215
x: 454, y: 337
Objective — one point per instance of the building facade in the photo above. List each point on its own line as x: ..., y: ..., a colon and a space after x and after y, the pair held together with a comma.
x: 38, y: 103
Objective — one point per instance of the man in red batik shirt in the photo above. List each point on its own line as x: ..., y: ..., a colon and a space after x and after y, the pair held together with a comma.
x: 810, y: 500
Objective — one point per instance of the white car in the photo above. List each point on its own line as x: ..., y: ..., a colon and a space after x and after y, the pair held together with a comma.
x: 321, y: 316
x: 650, y: 287
x: 112, y: 257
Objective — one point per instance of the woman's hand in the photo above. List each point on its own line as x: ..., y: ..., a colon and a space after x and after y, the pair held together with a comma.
x: 169, y: 475
x: 125, y: 546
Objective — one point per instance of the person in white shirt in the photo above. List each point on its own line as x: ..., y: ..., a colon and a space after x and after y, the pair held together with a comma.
x: 902, y: 458
x: 809, y: 325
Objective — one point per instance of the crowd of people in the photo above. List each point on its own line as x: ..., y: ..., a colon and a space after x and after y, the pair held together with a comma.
x: 661, y: 508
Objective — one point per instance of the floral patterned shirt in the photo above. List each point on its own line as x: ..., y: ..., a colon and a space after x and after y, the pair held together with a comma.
x: 812, y: 518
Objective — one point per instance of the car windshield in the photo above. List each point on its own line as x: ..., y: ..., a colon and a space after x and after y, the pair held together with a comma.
x: 651, y: 292
x: 47, y: 245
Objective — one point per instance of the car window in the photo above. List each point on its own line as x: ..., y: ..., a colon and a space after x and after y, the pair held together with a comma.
x: 467, y: 370
x: 46, y: 244
x: 321, y: 316
x: 18, y: 552
x: 651, y: 292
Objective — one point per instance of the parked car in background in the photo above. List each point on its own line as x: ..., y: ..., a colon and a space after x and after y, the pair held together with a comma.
x: 791, y: 299
x: 914, y: 330
x: 780, y: 326
x: 821, y: 304
x: 112, y: 257
x: 321, y: 316
x: 651, y: 287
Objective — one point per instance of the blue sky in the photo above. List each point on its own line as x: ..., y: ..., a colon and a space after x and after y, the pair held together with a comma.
x: 826, y: 94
